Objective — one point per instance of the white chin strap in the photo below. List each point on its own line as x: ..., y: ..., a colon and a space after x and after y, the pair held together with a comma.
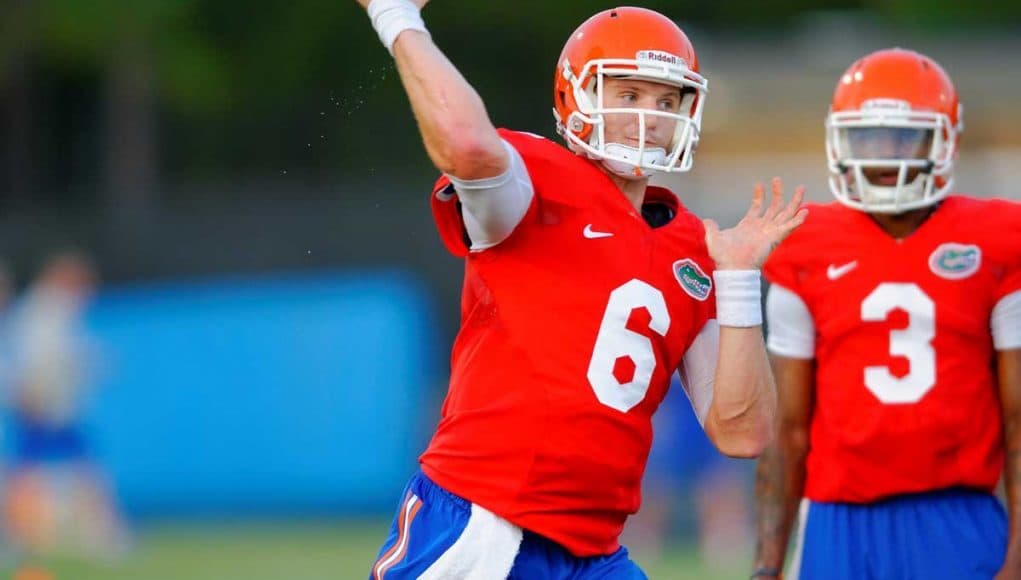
x: 630, y: 163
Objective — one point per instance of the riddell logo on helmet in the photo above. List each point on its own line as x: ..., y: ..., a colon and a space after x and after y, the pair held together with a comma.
x: 660, y: 56
x: 888, y: 104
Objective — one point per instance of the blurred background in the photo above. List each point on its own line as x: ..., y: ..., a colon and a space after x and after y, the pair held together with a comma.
x: 227, y: 312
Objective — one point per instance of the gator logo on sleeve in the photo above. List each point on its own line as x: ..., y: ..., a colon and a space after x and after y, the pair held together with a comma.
x: 955, y: 261
x: 692, y: 279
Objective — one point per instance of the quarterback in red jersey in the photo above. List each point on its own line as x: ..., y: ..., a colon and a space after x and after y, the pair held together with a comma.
x: 895, y: 330
x: 584, y: 290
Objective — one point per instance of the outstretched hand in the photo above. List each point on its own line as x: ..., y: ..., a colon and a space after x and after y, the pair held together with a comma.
x: 419, y: 3
x: 746, y: 245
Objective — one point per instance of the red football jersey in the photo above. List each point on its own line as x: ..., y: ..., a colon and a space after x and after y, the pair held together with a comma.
x: 906, y: 396
x: 570, y: 331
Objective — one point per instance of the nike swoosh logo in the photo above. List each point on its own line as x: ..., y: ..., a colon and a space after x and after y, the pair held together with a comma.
x: 833, y: 272
x: 592, y: 234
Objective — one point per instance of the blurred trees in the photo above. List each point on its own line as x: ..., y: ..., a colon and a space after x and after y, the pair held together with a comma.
x: 114, y: 101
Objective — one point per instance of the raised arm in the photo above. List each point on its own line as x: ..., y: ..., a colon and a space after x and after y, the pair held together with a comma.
x: 458, y: 135
x: 740, y: 418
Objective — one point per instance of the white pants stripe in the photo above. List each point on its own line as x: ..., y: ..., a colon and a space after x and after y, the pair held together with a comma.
x: 794, y: 570
x: 485, y: 550
x: 408, y: 511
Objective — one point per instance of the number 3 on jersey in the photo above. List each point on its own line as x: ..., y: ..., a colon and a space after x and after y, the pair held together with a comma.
x: 913, y: 343
x: 616, y: 341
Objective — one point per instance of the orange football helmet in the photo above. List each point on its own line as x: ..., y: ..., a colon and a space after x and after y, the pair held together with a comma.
x: 631, y: 43
x: 892, y: 133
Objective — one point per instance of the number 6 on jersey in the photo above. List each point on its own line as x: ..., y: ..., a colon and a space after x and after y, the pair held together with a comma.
x: 615, y: 341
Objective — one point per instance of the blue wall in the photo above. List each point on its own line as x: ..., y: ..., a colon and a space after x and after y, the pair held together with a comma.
x: 288, y: 395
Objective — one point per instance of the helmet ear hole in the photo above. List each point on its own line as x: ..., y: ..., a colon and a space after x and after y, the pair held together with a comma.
x: 561, y: 98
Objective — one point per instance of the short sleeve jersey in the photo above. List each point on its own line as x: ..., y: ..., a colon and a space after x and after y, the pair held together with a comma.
x: 570, y: 331
x: 906, y: 396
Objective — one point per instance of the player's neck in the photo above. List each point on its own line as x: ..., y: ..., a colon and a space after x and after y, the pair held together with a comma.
x: 902, y: 225
x: 633, y: 189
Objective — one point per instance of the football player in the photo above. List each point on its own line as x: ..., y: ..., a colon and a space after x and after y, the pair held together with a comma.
x: 894, y: 323
x: 55, y: 496
x: 584, y: 290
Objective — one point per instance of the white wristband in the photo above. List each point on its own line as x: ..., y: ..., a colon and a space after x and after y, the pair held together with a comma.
x: 738, y: 298
x: 392, y: 17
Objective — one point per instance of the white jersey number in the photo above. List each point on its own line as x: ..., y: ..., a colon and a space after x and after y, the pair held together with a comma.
x: 616, y: 341
x: 913, y: 343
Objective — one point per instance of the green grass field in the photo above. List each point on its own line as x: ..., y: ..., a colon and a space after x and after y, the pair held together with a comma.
x: 291, y: 551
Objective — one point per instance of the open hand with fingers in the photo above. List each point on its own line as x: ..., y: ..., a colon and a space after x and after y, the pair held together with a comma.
x: 746, y: 245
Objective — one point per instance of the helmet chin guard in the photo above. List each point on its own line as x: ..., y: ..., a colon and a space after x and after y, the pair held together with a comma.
x: 637, y: 159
